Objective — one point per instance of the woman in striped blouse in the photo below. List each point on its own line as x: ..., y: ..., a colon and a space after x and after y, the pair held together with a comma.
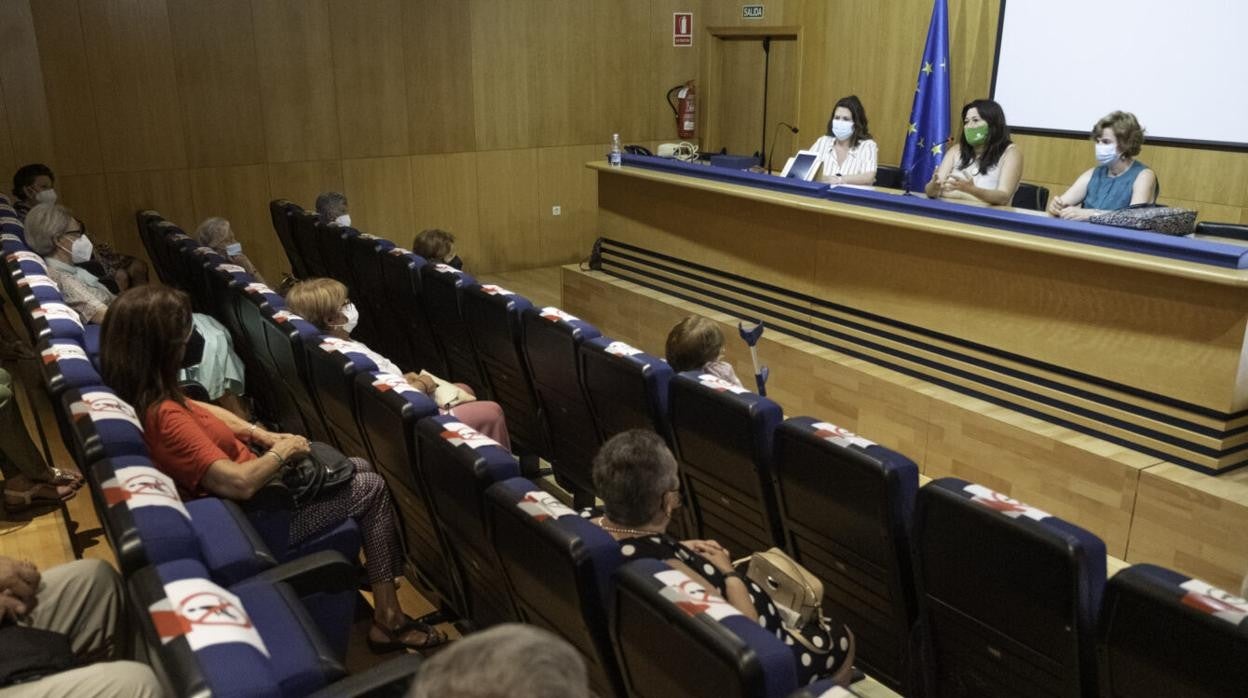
x: 849, y: 153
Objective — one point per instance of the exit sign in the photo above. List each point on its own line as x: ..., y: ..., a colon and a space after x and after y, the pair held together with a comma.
x: 751, y: 12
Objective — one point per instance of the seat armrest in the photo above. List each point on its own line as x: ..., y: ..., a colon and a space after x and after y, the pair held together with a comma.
x: 387, y: 680
x: 326, y: 571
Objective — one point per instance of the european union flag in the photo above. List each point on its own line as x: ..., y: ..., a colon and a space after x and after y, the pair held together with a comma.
x: 929, y: 117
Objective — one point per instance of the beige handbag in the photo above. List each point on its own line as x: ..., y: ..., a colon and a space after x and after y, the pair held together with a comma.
x: 789, y: 585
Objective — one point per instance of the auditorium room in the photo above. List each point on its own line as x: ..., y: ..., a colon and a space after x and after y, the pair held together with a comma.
x: 624, y: 348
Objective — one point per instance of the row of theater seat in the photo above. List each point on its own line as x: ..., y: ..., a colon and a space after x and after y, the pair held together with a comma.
x: 987, y: 594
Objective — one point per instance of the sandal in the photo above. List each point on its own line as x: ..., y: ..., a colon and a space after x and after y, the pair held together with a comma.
x: 38, y: 493
x: 394, y: 638
x: 63, y: 477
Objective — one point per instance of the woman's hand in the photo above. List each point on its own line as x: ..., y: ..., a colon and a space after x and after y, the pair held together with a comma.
x: 424, y: 384
x: 714, y: 553
x: 965, y: 186
x: 1056, y: 205
x: 263, y: 437
x: 290, y: 446
x: 1077, y: 213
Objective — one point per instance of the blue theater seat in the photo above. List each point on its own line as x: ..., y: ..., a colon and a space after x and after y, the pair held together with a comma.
x: 51, y: 320
x: 459, y: 465
x: 389, y: 410
x: 1166, y: 634
x: 413, y: 338
x: 254, y: 305
x: 102, y: 425
x: 723, y: 443
x: 332, y: 241
x: 1010, y: 594
x: 846, y: 505
x: 558, y: 568
x: 65, y: 364
x: 492, y: 314
x: 364, y: 253
x: 673, y: 639
x: 552, y: 340
x: 303, y: 232
x: 280, y: 212
x: 331, y: 381
x: 442, y: 286
x: 627, y: 388
x: 285, y: 334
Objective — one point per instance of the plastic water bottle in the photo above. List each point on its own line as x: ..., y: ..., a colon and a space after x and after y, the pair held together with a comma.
x: 613, y: 157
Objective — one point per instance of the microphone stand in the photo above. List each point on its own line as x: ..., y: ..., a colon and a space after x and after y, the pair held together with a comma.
x: 774, y: 131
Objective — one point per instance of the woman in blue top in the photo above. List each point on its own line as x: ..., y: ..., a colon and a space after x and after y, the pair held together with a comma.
x: 1118, y: 180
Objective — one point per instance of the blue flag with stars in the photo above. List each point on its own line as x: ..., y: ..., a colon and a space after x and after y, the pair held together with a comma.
x: 928, y: 128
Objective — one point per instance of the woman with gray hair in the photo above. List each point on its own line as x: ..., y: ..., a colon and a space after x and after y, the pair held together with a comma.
x: 506, y: 661
x: 216, y: 233
x: 635, y: 476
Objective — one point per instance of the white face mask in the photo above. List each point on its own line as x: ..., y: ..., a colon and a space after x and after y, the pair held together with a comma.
x: 47, y: 196
x: 1106, y: 153
x: 842, y: 130
x: 81, y: 249
x: 234, y: 250
x: 353, y: 318
x: 343, y: 221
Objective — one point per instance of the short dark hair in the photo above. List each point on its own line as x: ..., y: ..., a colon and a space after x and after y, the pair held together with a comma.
x: 998, y: 135
x: 693, y: 343
x: 856, y: 110
x: 433, y: 243
x: 26, y: 176
x: 632, y: 472
x: 330, y: 205
x: 142, y: 342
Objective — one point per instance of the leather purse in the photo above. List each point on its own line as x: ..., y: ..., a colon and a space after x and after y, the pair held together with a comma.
x: 325, y: 468
x: 796, y: 593
x: 31, y: 653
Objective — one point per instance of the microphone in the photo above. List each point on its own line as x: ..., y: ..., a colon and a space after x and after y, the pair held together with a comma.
x: 771, y: 152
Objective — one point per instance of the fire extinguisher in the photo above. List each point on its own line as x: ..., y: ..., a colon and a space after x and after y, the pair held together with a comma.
x: 686, y: 110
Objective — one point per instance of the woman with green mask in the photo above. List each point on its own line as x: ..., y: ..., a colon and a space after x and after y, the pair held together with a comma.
x: 984, y: 165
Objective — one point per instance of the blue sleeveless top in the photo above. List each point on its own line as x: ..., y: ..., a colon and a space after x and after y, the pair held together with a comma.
x: 1107, y: 193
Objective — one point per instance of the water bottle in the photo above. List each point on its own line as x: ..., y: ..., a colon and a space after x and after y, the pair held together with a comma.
x: 613, y: 157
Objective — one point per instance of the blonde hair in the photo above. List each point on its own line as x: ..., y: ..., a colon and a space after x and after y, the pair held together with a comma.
x: 45, y: 224
x: 317, y: 300
x: 214, y: 232
x: 1127, y: 131
x: 693, y: 343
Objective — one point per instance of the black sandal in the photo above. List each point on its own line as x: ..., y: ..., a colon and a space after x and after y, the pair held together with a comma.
x: 394, y: 638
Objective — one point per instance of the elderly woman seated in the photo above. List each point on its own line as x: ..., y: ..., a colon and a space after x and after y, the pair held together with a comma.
x: 216, y: 233
x: 53, y: 232
x: 324, y: 303
x: 635, y: 475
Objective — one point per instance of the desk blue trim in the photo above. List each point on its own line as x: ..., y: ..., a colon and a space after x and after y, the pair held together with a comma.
x: 757, y: 180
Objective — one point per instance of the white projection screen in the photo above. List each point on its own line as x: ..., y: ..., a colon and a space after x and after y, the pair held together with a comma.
x: 1181, y: 67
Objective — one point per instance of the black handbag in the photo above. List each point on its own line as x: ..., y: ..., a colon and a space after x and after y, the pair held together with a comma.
x: 325, y: 468
x: 31, y: 653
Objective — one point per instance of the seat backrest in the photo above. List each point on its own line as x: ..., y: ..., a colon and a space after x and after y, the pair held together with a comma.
x: 673, y: 638
x: 303, y: 231
x: 552, y: 340
x: 332, y: 368
x: 1030, y: 196
x: 627, y: 388
x: 280, y: 404
x: 558, y: 567
x: 284, y: 334
x: 400, y: 277
x: 459, y: 464
x: 197, y: 263
x: 364, y: 253
x: 280, y: 213
x: 1235, y: 231
x: 1166, y: 634
x: 442, y: 286
x: 492, y: 315
x: 888, y: 177
x: 389, y: 410
x: 1009, y: 593
x: 332, y: 239
x: 152, y: 244
x: 723, y: 443
x: 102, y: 425
x: 846, y: 505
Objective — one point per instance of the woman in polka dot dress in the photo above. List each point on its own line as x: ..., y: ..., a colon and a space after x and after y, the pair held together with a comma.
x: 635, y: 475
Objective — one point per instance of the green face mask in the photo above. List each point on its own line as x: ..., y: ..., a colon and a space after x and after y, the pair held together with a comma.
x: 976, y: 135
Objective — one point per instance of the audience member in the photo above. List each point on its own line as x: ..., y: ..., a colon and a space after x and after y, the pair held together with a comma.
x: 53, y: 232
x: 217, y: 233
x: 984, y: 165
x: 83, y: 601
x: 27, y: 478
x: 1118, y: 180
x: 697, y: 344
x: 32, y: 185
x: 506, y: 661
x: 324, y: 303
x: 635, y: 475
x: 849, y: 152
x: 437, y: 245
x: 205, y: 450
x: 331, y: 208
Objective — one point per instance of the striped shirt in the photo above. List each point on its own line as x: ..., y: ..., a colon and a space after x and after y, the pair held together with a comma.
x: 861, y: 158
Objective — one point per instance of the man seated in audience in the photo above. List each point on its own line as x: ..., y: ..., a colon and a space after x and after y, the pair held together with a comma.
x: 437, y: 245
x: 506, y: 661
x: 82, y: 601
x: 32, y: 185
x: 331, y: 208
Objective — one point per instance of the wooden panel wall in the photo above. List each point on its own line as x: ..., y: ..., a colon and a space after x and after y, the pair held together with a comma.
x: 472, y: 115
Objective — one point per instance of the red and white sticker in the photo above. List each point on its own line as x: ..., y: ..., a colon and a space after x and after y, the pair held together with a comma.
x: 495, y: 290
x: 389, y: 381
x: 231, y: 269
x: 839, y: 435
x: 101, y: 406
x: 26, y: 256
x: 37, y: 280
x: 64, y: 352
x: 543, y: 505
x: 621, y: 349
x: 204, y: 250
x: 719, y: 385
x: 204, y: 614
x: 56, y: 311
x: 554, y: 314
x: 399, y: 251
x: 446, y: 268
x: 142, y: 486
x: 1003, y: 504
x: 258, y: 288
x: 1214, y: 601
x: 691, y: 597
x: 285, y: 316
x: 462, y: 434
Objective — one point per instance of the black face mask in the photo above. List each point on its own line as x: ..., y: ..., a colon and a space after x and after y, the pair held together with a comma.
x: 457, y: 262
x: 194, y: 350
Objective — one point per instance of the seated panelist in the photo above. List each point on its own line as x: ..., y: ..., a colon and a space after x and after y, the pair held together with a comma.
x: 1118, y: 180
x: 984, y: 165
x: 849, y: 153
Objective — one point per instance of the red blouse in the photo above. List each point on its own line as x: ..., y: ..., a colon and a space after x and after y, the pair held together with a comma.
x: 185, y: 441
